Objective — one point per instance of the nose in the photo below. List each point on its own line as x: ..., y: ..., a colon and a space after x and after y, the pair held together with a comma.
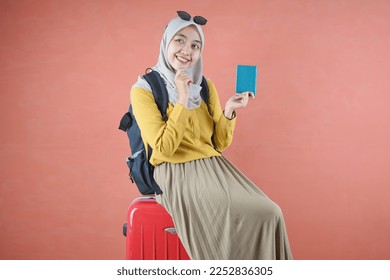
x: 186, y: 50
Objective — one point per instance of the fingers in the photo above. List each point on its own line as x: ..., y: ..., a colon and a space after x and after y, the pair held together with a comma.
x: 240, y: 100
x: 247, y: 93
x: 182, y: 82
x: 182, y: 76
x: 251, y: 94
x: 243, y: 97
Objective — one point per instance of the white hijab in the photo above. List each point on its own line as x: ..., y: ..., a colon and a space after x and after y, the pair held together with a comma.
x: 167, y: 72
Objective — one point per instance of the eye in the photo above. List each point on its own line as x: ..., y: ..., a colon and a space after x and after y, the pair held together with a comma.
x: 179, y: 40
x: 196, y: 46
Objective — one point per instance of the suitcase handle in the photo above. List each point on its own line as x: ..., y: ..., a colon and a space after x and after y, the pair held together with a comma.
x: 124, y: 230
x: 170, y: 230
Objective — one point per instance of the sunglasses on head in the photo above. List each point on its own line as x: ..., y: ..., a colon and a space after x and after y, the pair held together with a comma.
x: 186, y: 16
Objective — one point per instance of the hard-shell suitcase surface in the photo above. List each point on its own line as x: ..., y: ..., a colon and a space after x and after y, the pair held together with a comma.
x: 150, y: 234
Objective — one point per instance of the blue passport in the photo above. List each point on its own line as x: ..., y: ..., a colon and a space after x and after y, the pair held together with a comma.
x: 246, y: 78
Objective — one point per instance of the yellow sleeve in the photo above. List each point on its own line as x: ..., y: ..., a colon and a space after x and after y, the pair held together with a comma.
x: 223, y: 127
x: 163, y: 137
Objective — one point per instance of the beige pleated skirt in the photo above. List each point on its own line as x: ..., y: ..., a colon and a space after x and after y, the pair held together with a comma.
x: 219, y: 213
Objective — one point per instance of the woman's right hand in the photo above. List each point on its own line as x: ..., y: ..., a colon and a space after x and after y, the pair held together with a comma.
x: 182, y: 81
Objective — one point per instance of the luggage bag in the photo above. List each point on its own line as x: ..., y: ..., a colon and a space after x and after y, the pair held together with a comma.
x: 150, y: 233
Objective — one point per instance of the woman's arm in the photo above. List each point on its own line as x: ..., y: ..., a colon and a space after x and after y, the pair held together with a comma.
x: 223, y: 127
x: 164, y: 137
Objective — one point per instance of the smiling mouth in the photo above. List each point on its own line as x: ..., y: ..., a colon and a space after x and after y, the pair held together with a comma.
x: 182, y: 59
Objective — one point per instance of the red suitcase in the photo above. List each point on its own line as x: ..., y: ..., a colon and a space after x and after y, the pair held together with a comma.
x: 150, y: 234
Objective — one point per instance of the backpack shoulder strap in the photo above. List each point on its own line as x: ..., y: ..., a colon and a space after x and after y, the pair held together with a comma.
x: 205, y: 94
x: 160, y: 95
x: 159, y: 92
x: 205, y: 91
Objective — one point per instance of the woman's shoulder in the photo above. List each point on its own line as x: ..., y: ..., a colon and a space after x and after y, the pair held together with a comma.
x: 141, y: 85
x: 139, y: 93
x: 211, y: 85
x: 209, y: 81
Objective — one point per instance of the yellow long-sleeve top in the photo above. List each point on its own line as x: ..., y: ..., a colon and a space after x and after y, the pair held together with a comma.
x: 187, y: 133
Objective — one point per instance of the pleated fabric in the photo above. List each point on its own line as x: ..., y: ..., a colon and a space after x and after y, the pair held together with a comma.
x: 219, y: 214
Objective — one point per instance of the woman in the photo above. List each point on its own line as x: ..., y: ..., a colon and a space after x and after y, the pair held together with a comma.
x: 217, y: 211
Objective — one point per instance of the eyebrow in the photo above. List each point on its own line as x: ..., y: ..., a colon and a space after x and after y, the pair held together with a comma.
x: 181, y: 35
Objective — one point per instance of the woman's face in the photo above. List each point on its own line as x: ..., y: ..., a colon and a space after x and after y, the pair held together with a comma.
x: 185, y: 48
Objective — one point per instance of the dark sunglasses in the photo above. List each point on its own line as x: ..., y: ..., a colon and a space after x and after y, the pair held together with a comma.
x: 186, y: 16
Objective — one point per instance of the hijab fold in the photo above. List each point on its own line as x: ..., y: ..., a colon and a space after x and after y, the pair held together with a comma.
x: 166, y: 71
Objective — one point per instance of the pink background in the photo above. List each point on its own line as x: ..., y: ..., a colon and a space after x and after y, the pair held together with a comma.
x: 315, y: 139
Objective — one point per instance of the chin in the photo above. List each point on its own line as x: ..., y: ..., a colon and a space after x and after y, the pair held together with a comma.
x: 181, y: 67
